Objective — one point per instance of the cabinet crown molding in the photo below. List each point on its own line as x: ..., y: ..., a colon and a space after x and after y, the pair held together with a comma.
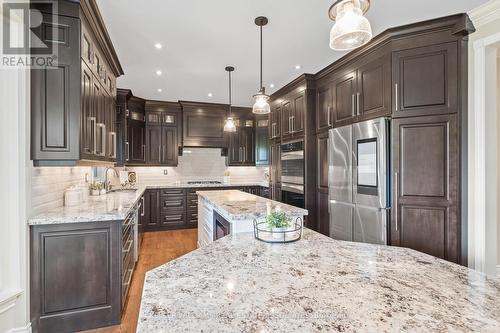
x: 91, y: 12
x: 486, y: 13
x: 458, y: 25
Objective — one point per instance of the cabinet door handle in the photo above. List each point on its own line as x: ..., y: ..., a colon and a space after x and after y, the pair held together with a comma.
x: 396, y: 197
x: 358, y: 103
x: 127, y: 151
x: 103, y: 139
x: 94, y: 135
x: 113, y: 143
x: 163, y: 153
x: 353, y: 104
x: 159, y: 154
x: 144, y: 152
x: 143, y: 212
x: 328, y: 112
x: 396, y: 95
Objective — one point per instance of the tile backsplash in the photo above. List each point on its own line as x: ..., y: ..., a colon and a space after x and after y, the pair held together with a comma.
x: 200, y: 164
x: 49, y: 183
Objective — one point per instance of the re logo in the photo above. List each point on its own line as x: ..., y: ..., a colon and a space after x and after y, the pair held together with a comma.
x: 28, y: 32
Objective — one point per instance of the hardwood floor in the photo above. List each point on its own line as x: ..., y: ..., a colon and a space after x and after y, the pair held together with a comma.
x: 157, y: 248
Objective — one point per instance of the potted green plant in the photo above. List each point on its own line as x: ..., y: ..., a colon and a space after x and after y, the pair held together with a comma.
x: 95, y: 188
x: 278, y: 221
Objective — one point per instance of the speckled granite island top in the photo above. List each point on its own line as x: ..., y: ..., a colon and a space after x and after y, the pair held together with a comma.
x: 318, y: 284
x: 237, y: 205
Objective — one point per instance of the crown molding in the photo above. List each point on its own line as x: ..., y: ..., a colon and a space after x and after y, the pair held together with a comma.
x: 486, y: 13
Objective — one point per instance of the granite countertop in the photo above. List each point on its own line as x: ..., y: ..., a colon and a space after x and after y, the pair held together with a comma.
x: 237, y: 205
x: 111, y: 206
x: 239, y: 284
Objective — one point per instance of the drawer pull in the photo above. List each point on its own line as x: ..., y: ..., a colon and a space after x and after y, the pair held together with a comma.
x: 130, y: 242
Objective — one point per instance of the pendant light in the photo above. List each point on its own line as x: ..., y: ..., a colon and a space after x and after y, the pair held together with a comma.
x: 261, y: 105
x: 351, y: 29
x: 229, y: 125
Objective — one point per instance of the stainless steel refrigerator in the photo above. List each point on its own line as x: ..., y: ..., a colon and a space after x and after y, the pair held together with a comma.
x: 358, y: 181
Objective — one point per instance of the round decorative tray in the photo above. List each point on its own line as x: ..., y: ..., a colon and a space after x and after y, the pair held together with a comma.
x: 278, y: 235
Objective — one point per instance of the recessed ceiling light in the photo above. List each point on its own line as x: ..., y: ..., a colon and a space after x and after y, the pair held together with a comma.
x: 158, y: 46
x: 298, y: 67
x: 158, y: 72
x: 271, y: 85
x: 160, y: 90
x: 210, y: 94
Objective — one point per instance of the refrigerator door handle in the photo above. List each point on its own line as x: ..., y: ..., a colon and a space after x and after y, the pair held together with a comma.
x: 396, y: 195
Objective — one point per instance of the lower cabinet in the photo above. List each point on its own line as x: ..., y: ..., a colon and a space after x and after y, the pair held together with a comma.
x: 76, y: 276
x: 177, y: 208
x: 426, y: 185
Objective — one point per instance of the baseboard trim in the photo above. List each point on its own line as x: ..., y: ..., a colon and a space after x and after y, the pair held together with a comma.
x: 25, y: 329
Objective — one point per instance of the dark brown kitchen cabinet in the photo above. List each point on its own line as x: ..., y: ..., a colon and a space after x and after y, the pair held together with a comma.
x: 55, y: 95
x: 324, y: 105
x: 203, y: 124
x: 72, y: 116
x: 425, y: 80
x: 161, y: 146
x: 262, y: 140
x: 275, y: 121
x: 76, y: 276
x: 154, y: 145
x: 322, y: 156
x: 426, y: 185
x: 344, y: 99
x: 323, y: 215
x: 293, y: 114
x: 167, y: 114
x: 152, y: 210
x: 373, y: 96
x: 241, y: 144
x: 135, y: 147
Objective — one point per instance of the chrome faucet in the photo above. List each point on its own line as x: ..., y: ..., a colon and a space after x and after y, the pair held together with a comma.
x: 107, y: 183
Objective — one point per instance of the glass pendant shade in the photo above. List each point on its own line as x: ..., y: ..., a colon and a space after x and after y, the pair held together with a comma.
x: 351, y: 28
x: 261, y: 105
x: 229, y: 125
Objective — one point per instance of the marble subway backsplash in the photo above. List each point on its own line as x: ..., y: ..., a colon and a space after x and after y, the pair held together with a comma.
x: 49, y: 183
x: 200, y: 164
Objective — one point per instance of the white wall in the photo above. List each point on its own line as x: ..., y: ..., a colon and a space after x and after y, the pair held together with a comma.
x: 482, y: 139
x: 498, y: 164
x: 14, y: 199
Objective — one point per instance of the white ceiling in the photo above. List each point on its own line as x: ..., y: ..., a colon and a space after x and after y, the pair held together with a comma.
x: 201, y: 37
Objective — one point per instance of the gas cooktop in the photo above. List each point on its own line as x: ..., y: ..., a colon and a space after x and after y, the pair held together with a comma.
x: 204, y: 182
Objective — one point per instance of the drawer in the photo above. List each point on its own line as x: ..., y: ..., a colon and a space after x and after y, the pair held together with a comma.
x: 173, y: 203
x: 192, y: 202
x: 173, y: 219
x: 192, y: 218
x: 168, y: 192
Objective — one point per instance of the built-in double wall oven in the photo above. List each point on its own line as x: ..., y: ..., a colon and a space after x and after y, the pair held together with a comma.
x: 292, y: 173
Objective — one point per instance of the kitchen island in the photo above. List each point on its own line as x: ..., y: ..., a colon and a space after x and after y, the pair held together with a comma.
x: 239, y: 284
x: 230, y: 212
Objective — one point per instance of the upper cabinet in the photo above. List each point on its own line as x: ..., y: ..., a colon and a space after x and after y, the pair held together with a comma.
x: 356, y: 92
x: 73, y: 100
x: 425, y: 80
x: 262, y: 140
x: 131, y: 130
x: 292, y: 110
x: 203, y: 124
x: 241, y: 144
x: 163, y: 133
